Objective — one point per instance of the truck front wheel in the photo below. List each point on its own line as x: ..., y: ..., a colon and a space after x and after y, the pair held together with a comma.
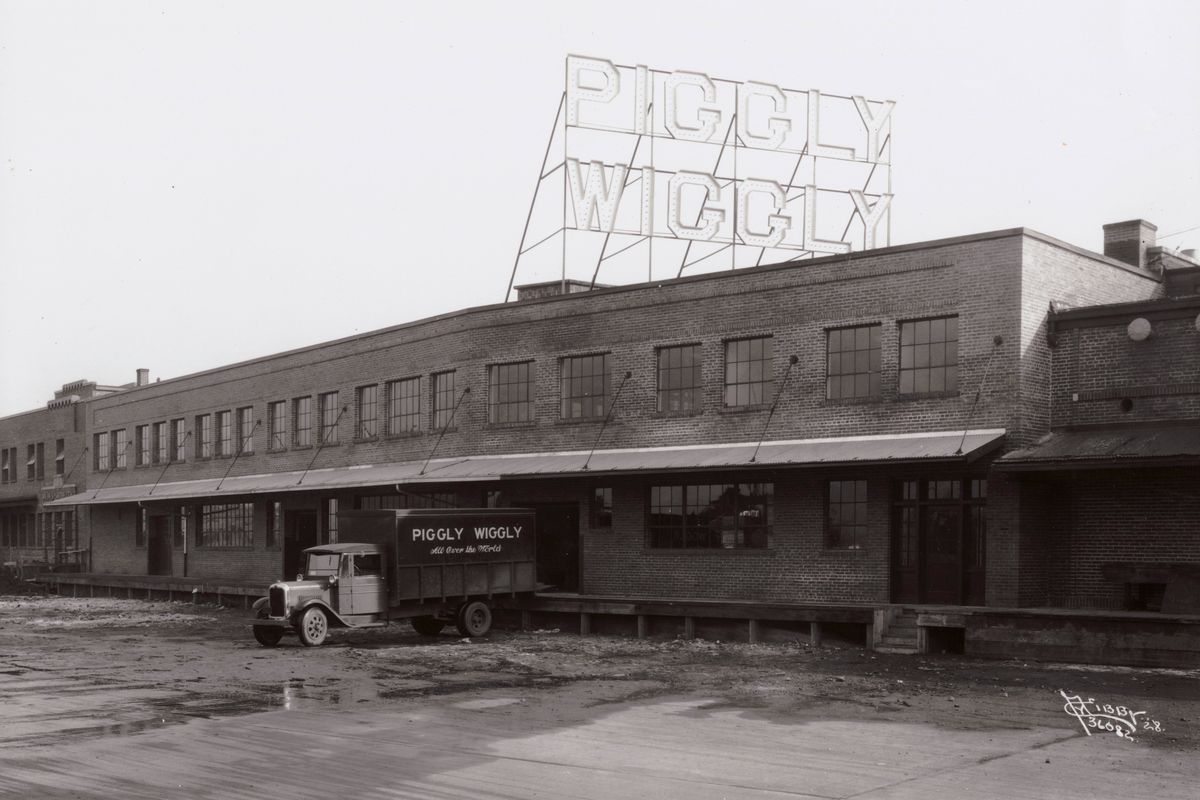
x: 313, y: 626
x: 427, y: 626
x: 266, y: 635
x: 474, y: 619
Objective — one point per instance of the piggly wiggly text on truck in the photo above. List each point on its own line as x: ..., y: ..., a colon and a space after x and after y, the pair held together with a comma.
x: 432, y: 566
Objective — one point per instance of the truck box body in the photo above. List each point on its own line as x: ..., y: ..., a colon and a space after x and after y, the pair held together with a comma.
x: 439, y: 554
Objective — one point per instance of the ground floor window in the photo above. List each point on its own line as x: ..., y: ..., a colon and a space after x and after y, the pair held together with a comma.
x: 710, y: 516
x: 845, y: 515
x: 372, y: 502
x: 226, y: 525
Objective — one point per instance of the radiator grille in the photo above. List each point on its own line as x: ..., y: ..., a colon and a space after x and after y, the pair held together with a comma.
x: 278, y: 601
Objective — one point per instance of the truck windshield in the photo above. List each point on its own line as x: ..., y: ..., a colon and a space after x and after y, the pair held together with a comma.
x: 322, y: 565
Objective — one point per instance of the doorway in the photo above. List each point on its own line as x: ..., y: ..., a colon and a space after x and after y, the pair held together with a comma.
x: 299, y: 533
x: 938, y: 541
x: 158, y: 546
x: 558, y: 551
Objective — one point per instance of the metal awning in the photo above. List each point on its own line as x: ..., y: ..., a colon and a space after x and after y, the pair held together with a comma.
x: 941, y: 446
x: 1108, y: 448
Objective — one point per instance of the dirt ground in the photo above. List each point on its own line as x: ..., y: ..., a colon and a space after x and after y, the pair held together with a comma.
x: 129, y: 665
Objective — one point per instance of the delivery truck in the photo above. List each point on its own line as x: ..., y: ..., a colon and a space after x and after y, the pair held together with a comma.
x: 432, y: 566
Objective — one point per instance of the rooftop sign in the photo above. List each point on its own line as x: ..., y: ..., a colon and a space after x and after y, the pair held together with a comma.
x: 733, y: 173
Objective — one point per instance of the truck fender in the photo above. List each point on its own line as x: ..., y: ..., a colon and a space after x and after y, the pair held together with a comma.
x: 334, y: 617
x: 259, y: 603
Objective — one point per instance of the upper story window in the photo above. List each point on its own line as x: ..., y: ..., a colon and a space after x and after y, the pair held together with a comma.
x: 510, y: 392
x: 302, y: 421
x: 178, y: 435
x: 679, y: 378
x: 367, y: 400
x: 31, y: 462
x: 443, y: 399
x: 846, y: 515
x: 710, y: 516
x: 584, y: 386
x: 60, y: 456
x: 141, y: 445
x: 277, y: 425
x: 327, y: 407
x: 162, y: 445
x: 224, y: 433
x: 749, y: 371
x: 100, y: 451
x: 119, y: 447
x: 929, y: 356
x: 7, y: 467
x: 204, y: 437
x: 245, y: 429
x: 404, y: 406
x: 853, y: 358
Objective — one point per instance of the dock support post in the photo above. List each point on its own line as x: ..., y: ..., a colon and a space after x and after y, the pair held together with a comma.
x: 689, y: 628
x: 869, y: 637
x: 641, y: 626
x: 585, y: 623
x: 245, y: 601
x: 91, y: 590
x: 526, y: 620
x: 752, y: 632
x: 74, y: 590
x: 128, y: 592
x: 149, y: 593
x: 218, y: 596
x: 814, y: 633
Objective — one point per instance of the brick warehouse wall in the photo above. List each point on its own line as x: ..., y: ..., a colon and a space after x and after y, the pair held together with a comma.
x: 1150, y: 516
x: 985, y: 279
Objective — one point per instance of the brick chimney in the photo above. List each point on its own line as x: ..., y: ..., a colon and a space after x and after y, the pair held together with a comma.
x: 143, y: 375
x: 1128, y: 241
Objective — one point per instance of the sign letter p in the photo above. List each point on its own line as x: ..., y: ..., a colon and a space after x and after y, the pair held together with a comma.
x: 577, y: 90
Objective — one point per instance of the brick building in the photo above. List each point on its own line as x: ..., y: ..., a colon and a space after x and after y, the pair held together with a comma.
x: 856, y: 428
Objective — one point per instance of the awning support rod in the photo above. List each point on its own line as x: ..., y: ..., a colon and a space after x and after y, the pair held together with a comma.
x: 787, y: 374
x: 171, y: 461
x: 110, y: 471
x: 996, y: 342
x: 445, y: 428
x: 241, y: 448
x: 321, y: 444
x: 607, y: 416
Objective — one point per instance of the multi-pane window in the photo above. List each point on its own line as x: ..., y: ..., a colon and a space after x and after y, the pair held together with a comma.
x: 929, y: 356
x: 277, y: 425
x: 907, y: 548
x: 443, y: 399
x: 100, y: 446
x: 245, y: 429
x: 224, y: 433
x: 602, y: 507
x: 41, y: 461
x: 977, y: 524
x: 204, y: 436
x: 853, y: 358
x: 60, y: 457
x: 302, y: 421
x: 226, y: 525
x: 178, y: 435
x: 846, y: 520
x: 119, y: 447
x: 6, y: 467
x: 331, y: 520
x: 367, y: 400
x: 141, y: 445
x: 749, y: 371
x: 31, y: 462
x: 374, y: 502
x: 141, y: 528
x: 679, y: 378
x: 162, y: 444
x: 584, y: 386
x: 404, y: 406
x: 327, y: 407
x: 710, y: 516
x: 510, y: 392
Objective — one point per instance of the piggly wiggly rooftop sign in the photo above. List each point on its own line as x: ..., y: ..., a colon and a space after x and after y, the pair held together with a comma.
x: 762, y: 172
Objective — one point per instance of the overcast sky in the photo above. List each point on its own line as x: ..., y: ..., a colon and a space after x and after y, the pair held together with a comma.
x: 189, y: 185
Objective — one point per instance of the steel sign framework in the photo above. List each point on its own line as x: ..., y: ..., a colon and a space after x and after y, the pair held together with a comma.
x: 663, y: 172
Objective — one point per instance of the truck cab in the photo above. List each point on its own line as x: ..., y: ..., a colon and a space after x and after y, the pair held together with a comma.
x: 341, y: 585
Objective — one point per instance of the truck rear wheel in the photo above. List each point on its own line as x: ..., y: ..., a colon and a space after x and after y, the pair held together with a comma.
x: 474, y: 619
x: 427, y: 626
x: 266, y: 635
x: 312, y: 626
